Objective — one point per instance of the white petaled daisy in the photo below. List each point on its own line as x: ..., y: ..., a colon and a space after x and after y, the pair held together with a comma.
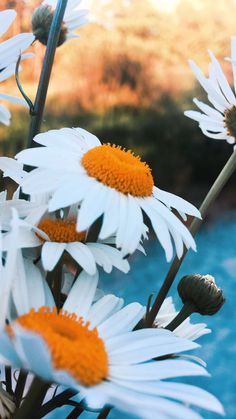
x: 57, y: 236
x: 93, y: 349
x: 217, y: 121
x: 105, y: 180
x: 73, y: 19
x: 186, y: 329
x: 9, y: 53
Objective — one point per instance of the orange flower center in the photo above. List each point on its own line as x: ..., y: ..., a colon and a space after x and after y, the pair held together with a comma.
x: 119, y: 169
x: 61, y: 231
x: 72, y: 345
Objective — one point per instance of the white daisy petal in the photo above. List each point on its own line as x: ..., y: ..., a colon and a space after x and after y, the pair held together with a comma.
x: 89, y: 212
x: 51, y: 254
x: 107, y: 257
x: 160, y: 228
x: 144, y: 350
x: 205, y: 83
x: 103, y: 309
x: 7, y: 352
x: 13, y: 99
x: 83, y: 256
x: 208, y: 110
x: 65, y: 196
x: 34, y: 352
x: 6, y: 19
x: 182, y: 392
x: 81, y: 294
x: 111, y: 215
x: 48, y: 158
x: 176, y: 202
x: 122, y: 322
x: 156, y: 370
x: 224, y: 85
x: 5, y: 115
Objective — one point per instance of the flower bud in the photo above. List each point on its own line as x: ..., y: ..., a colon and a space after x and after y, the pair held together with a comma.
x: 41, y: 23
x: 202, y: 292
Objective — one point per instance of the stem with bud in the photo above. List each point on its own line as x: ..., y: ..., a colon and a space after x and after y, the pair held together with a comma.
x: 36, y: 118
x: 213, y: 193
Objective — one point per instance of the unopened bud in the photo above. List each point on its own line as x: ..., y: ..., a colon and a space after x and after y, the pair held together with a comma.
x: 201, y: 291
x: 41, y: 23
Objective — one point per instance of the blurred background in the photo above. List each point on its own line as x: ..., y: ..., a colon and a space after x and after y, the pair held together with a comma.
x: 128, y: 81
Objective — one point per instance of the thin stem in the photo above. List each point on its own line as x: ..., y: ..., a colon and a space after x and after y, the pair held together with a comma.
x: 184, y: 313
x: 213, y: 193
x: 56, y: 401
x: 104, y: 413
x: 54, y: 279
x: 30, y: 104
x: 8, y: 380
x: 20, y: 386
x: 41, y: 95
x: 76, y: 412
x: 33, y: 400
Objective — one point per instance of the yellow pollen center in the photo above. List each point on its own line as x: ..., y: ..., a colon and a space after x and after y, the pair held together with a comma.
x: 119, y: 169
x: 72, y: 345
x: 230, y: 121
x: 61, y: 231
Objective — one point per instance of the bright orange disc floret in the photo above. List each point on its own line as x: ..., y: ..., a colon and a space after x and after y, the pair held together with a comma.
x: 119, y: 169
x: 61, y: 231
x: 73, y: 346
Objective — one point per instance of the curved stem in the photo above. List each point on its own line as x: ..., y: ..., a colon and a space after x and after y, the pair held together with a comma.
x: 213, y: 193
x: 36, y: 118
x: 27, y: 99
x: 185, y: 312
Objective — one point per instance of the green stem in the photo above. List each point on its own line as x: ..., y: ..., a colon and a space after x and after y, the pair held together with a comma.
x: 184, y: 313
x: 104, y: 413
x: 41, y: 94
x: 33, y: 400
x: 20, y: 386
x: 54, y: 279
x: 213, y: 193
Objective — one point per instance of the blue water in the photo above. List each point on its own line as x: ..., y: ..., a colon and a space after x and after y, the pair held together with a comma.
x: 216, y: 255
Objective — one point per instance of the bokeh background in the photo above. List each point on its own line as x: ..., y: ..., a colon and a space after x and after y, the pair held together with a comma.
x: 128, y: 81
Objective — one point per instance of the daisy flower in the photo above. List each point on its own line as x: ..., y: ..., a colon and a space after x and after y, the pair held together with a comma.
x: 92, y: 348
x: 9, y: 53
x: 104, y: 179
x: 57, y: 236
x: 187, y: 329
x: 74, y: 18
x: 217, y: 120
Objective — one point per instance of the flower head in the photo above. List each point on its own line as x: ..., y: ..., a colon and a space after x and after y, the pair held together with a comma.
x: 217, y: 120
x: 92, y: 348
x: 104, y: 179
x: 202, y: 292
x: 9, y: 53
x: 58, y: 238
x: 43, y: 15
